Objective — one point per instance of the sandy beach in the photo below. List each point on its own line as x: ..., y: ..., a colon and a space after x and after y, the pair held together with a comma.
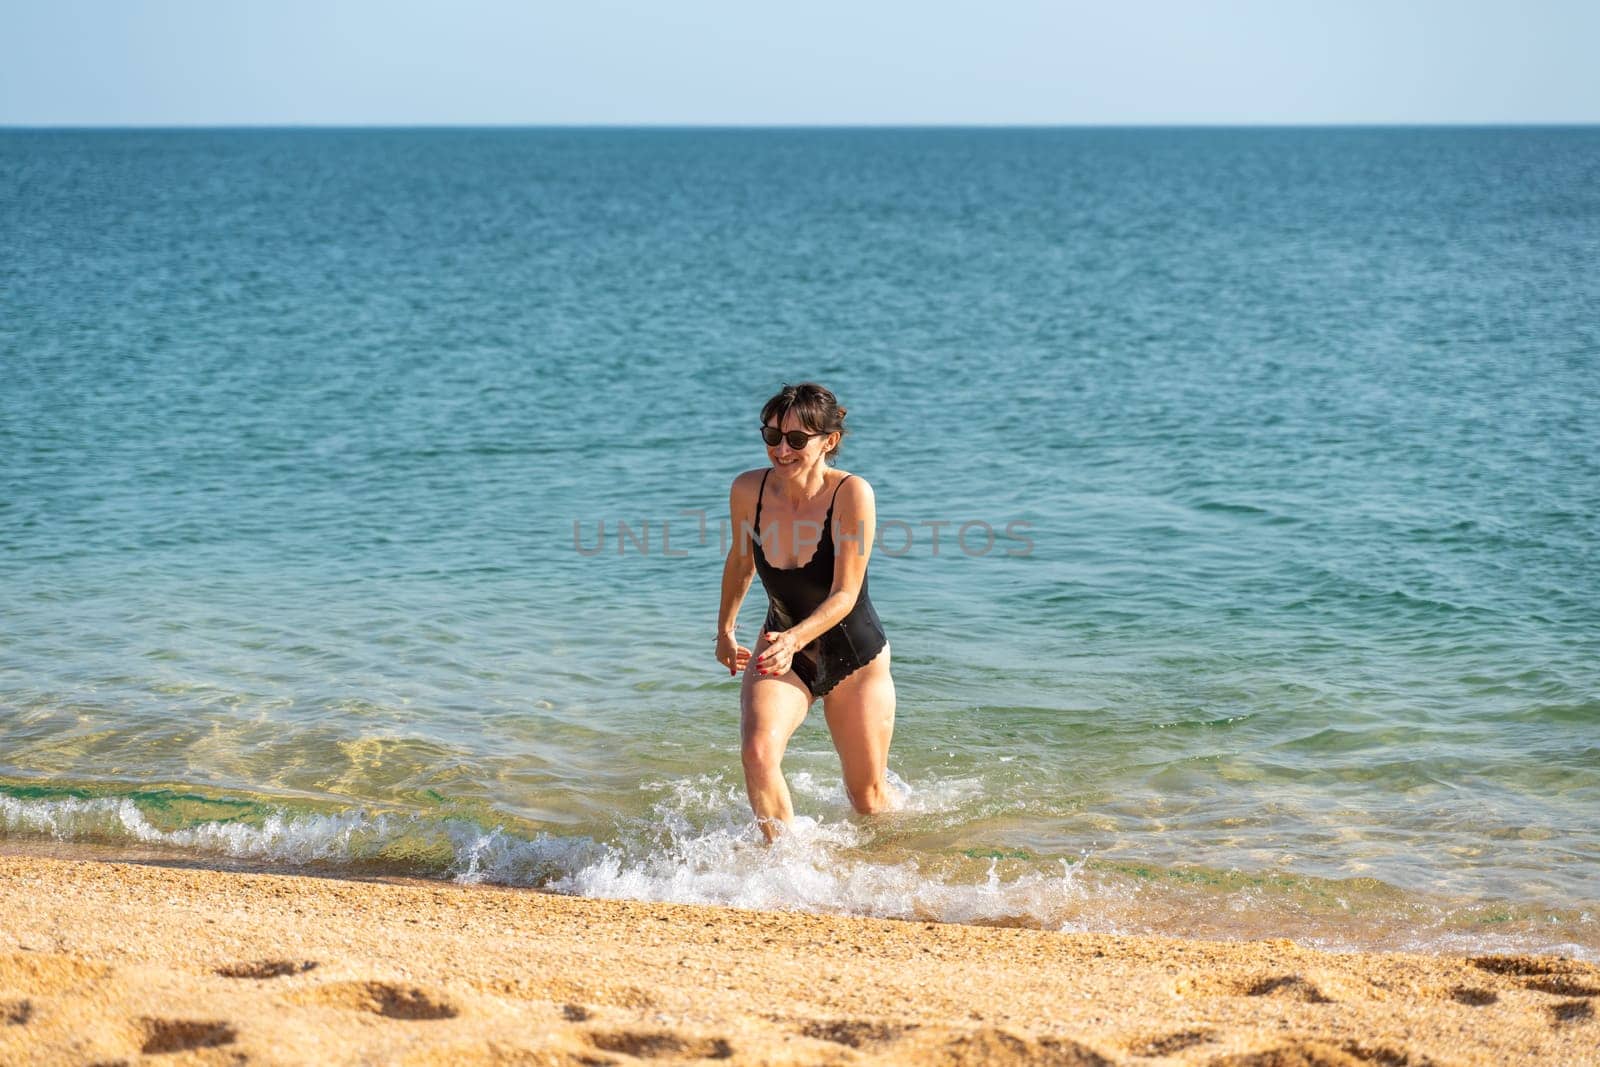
x: 114, y: 962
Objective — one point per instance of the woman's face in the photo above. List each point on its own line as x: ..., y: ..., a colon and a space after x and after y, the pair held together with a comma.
x: 791, y: 461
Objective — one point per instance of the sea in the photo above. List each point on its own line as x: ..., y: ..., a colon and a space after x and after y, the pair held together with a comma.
x: 364, y: 502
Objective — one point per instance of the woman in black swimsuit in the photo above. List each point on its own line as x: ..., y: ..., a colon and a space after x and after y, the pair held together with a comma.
x: 821, y: 637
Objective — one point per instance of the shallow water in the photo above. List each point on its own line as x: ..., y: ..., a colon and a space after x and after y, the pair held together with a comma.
x: 308, y: 437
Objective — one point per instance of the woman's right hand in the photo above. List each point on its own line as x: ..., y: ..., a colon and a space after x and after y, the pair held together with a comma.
x: 731, y: 654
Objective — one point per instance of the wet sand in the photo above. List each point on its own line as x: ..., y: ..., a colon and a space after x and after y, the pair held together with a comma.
x: 115, y: 962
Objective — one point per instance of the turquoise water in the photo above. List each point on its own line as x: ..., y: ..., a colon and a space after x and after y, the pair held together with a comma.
x: 307, y: 439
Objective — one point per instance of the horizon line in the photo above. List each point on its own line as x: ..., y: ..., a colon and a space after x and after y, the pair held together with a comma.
x: 714, y: 126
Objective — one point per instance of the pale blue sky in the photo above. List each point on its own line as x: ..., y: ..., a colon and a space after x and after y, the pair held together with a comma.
x: 490, y: 62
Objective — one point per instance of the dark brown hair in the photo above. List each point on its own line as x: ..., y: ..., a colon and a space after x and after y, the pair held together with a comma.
x: 817, y: 409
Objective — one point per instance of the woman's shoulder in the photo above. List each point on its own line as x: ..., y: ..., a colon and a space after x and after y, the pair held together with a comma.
x: 851, y: 478
x: 853, y: 489
x: 746, y: 485
x: 750, y: 478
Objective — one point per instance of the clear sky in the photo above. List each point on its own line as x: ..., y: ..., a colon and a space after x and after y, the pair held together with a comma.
x: 743, y: 62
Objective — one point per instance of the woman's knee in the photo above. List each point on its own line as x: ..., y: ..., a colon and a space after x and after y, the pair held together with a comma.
x: 761, y: 755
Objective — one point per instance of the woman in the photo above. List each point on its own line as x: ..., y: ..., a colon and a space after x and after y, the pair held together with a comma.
x: 807, y: 529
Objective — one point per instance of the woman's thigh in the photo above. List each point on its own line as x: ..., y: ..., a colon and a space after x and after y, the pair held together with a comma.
x: 860, y: 714
x: 774, y: 705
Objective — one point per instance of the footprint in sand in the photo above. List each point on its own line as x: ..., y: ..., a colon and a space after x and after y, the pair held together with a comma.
x: 1556, y: 977
x: 854, y: 1033
x: 1281, y: 986
x: 935, y: 1045
x: 1169, y: 1044
x: 1317, y: 1054
x: 1561, y: 986
x: 389, y: 999
x: 1534, y: 966
x: 1305, y: 1054
x: 182, y: 1035
x: 656, y: 1044
x: 1571, y: 1011
x: 15, y: 1011
x: 1473, y: 997
x: 265, y: 968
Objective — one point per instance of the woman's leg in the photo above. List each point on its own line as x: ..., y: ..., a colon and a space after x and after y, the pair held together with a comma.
x: 860, y: 714
x: 771, y: 709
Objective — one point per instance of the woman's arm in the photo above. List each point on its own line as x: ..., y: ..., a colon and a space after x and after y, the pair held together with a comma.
x: 737, y: 572
x: 736, y: 576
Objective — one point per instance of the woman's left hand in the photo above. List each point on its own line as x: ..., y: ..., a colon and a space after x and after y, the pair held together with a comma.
x: 777, y: 656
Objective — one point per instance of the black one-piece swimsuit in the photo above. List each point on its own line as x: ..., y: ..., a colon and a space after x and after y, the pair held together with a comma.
x: 793, y: 593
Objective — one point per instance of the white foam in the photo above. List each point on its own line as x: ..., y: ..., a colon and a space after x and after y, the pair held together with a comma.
x: 454, y: 847
x: 698, y: 844
x: 294, y: 838
x: 704, y: 848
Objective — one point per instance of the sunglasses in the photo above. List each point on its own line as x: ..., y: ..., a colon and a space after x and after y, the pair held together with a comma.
x: 797, y: 438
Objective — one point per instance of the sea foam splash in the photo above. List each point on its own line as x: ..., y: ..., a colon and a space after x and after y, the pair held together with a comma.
x: 698, y: 844
x: 410, y: 842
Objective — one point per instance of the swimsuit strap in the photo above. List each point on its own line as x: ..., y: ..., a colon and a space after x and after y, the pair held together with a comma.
x: 836, y: 489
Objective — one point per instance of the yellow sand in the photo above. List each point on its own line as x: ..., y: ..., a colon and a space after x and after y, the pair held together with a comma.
x: 104, y: 962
